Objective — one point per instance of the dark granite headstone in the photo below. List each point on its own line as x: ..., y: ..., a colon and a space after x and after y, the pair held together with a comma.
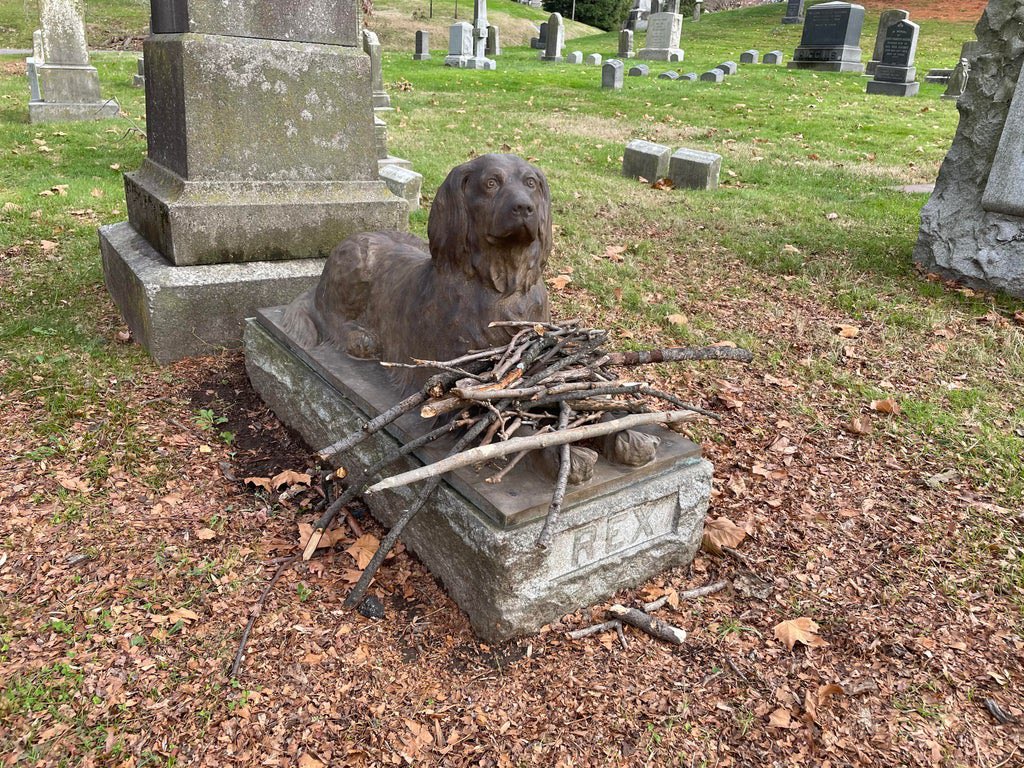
x: 422, y: 46
x: 885, y: 20
x: 794, y: 12
x: 896, y: 75
x: 831, y: 39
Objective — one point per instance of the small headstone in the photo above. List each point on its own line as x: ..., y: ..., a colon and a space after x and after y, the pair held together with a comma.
x: 645, y: 160
x: 403, y: 182
x: 493, y: 41
x: 750, y: 57
x: 729, y: 67
x: 68, y: 88
x: 895, y: 74
x: 611, y: 74
x: 697, y: 8
x: 594, y: 60
x: 670, y: 75
x: 460, y: 44
x: 576, y: 57
x: 639, y: 70
x: 541, y: 41
x: 831, y: 39
x: 938, y: 76
x: 662, y: 44
x: 713, y: 76
x: 371, y: 44
x: 556, y: 39
x: 772, y: 57
x: 31, y: 63
x: 422, y: 45
x: 885, y: 20
x: 691, y: 76
x: 794, y: 12
x: 626, y: 44
x: 694, y: 169
x: 139, y: 79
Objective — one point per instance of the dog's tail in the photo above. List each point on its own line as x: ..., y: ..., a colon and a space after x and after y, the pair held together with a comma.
x: 298, y: 321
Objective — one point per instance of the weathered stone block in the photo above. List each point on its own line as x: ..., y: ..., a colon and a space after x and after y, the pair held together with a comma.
x: 773, y: 57
x: 611, y: 74
x: 594, y: 60
x: 694, y: 169
x: 301, y: 21
x: 712, y: 76
x: 574, y: 57
x: 479, y: 539
x: 404, y: 183
x: 639, y: 70
x: 729, y: 67
x: 208, y: 222
x: 669, y: 75
x: 750, y: 57
x: 178, y: 312
x: 645, y: 159
x: 689, y: 77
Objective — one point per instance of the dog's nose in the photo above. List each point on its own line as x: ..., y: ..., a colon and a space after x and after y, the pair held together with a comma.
x: 523, y: 208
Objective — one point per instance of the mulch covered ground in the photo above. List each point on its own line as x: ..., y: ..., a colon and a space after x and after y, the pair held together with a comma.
x: 125, y: 596
x: 939, y: 10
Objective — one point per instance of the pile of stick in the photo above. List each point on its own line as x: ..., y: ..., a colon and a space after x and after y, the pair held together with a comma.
x: 552, y: 385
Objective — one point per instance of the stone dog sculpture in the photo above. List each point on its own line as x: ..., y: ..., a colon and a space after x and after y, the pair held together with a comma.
x: 390, y: 296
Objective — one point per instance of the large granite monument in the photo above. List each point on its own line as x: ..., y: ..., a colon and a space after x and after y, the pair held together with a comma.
x: 972, y: 227
x: 895, y: 74
x: 261, y: 158
x: 831, y: 39
x: 554, y: 46
x: 62, y: 83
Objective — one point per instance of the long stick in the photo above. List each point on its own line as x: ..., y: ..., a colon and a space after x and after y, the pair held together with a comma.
x: 558, y: 496
x: 359, y: 590
x: 679, y: 354
x: 516, y: 444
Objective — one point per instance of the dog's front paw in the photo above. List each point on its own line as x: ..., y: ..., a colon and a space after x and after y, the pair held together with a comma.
x: 362, y: 344
x: 631, y: 447
x: 581, y: 463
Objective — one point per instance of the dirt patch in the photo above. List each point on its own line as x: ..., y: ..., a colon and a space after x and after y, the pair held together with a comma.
x: 936, y: 10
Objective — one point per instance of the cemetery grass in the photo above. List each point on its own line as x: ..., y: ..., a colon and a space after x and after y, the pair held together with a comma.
x: 134, y: 550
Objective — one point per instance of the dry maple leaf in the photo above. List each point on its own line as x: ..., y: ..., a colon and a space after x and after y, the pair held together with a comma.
x: 781, y: 718
x: 721, y: 532
x: 261, y: 482
x: 329, y: 539
x: 289, y: 477
x: 308, y: 761
x: 205, y: 534
x: 802, y: 630
x: 848, y: 331
x: 888, y: 405
x: 859, y: 425
x: 73, y: 483
x: 182, y: 614
x: 363, y: 550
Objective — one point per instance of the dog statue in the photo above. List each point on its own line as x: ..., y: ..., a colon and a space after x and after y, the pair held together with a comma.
x: 389, y: 296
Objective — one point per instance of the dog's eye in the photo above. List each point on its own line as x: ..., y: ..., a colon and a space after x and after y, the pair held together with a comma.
x: 530, y: 182
x: 491, y: 183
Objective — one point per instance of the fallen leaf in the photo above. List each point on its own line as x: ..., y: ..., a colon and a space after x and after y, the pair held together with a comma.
x: 261, y: 482
x: 677, y: 319
x: 790, y: 248
x: 205, y: 534
x: 182, y: 614
x: 721, y: 532
x: 888, y: 405
x: 781, y: 718
x: 663, y: 184
x: 848, y: 331
x: 290, y: 477
x: 307, y: 761
x: 559, y: 283
x: 859, y: 425
x: 363, y: 550
x: 802, y: 630
x: 73, y: 483
x: 48, y: 246
x: 329, y: 539
x: 832, y: 216
x: 614, y: 252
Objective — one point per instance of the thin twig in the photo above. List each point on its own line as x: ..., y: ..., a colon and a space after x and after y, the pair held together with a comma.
x: 256, y: 610
x: 679, y: 354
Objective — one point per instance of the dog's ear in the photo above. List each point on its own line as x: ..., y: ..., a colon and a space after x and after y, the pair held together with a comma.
x: 545, y: 239
x: 447, y: 227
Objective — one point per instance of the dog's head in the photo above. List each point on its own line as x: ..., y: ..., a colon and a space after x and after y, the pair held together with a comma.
x: 491, y: 220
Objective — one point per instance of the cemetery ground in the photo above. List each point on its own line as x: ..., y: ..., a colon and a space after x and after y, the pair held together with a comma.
x: 870, y: 458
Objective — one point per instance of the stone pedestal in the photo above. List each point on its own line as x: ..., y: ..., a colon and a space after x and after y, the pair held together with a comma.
x: 259, y: 150
x: 479, y: 539
x: 662, y: 44
x: 63, y: 85
x: 831, y: 39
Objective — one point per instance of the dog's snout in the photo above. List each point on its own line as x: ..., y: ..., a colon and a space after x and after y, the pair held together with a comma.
x: 523, y: 208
